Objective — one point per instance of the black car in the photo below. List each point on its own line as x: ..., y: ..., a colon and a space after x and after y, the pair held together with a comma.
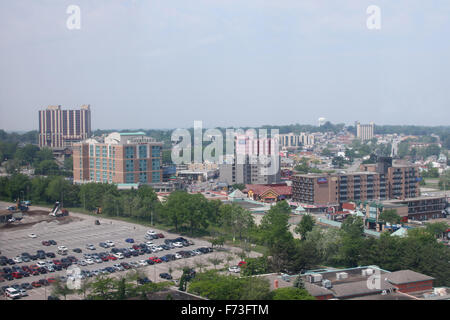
x: 115, y: 250
x: 135, y: 253
x: 10, y: 261
x: 144, y: 280
x: 77, y: 250
x: 150, y: 262
x: 8, y: 277
x: 50, y: 255
x: 52, y: 242
x: 52, y: 298
x: 165, y: 276
x: 42, y: 270
x: 43, y: 282
x: 34, y: 257
x: 7, y: 270
x: 58, y: 267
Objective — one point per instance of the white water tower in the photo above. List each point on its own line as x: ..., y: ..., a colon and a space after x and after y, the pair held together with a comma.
x: 321, y: 121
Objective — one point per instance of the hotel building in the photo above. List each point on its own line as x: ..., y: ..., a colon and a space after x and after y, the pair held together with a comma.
x: 59, y: 128
x: 122, y: 158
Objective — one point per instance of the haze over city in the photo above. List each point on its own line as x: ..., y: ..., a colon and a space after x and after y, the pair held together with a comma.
x: 159, y: 64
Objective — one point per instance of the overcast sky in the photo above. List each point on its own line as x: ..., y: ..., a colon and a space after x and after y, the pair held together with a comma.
x: 163, y: 64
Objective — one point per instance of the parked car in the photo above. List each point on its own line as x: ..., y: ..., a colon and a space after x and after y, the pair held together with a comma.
x: 110, y: 243
x: 32, y: 235
x: 234, y: 269
x: 165, y: 275
x: 144, y: 280
x: 12, y: 293
x: 77, y: 250
x: 129, y: 240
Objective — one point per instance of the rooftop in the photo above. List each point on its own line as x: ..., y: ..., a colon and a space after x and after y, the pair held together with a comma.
x: 406, y: 276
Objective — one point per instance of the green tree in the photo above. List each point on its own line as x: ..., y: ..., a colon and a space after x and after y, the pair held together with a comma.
x: 390, y: 216
x: 305, y: 225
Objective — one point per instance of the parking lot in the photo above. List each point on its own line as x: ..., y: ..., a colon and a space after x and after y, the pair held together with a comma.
x: 82, y: 231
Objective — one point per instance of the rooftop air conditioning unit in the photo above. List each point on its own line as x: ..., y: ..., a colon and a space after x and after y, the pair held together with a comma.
x: 326, y: 283
x: 341, y: 275
x: 315, y: 277
x: 367, y: 272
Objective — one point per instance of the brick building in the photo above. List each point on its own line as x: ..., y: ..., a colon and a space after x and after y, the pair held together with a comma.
x: 122, y: 158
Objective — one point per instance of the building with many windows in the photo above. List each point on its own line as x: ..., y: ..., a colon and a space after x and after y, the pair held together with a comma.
x: 255, y: 161
x: 59, y: 129
x: 364, y: 131
x: 122, y: 158
x: 383, y: 181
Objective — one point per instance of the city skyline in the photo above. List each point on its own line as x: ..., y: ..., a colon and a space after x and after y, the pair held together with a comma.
x: 163, y: 65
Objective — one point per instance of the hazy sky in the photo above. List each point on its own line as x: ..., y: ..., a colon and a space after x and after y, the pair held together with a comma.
x: 164, y: 64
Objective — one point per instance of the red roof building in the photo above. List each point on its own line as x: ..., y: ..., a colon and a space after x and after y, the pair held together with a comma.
x: 268, y: 193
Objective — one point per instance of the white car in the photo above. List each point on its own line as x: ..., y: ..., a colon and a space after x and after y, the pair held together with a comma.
x: 41, y: 264
x: 12, y: 293
x: 158, y: 248
x: 17, y: 259
x: 142, y: 263
x: 149, y: 243
x: 90, y: 247
x: 110, y: 243
x: 82, y: 263
x: 23, y: 292
x: 234, y: 269
x: 119, y: 255
x: 32, y: 235
x: 177, y: 244
x: 178, y: 256
x: 89, y: 261
x: 151, y: 232
x: 62, y: 248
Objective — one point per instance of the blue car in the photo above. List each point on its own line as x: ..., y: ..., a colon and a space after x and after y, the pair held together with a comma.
x: 129, y: 240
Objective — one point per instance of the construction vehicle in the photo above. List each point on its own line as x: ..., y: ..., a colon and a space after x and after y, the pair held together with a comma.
x: 19, y: 206
x: 58, y: 211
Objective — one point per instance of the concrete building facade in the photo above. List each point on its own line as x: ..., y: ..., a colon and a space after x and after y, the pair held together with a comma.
x: 364, y: 131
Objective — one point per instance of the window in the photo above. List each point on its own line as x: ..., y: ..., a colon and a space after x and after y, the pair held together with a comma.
x: 142, y: 165
x: 143, y: 177
x: 156, y: 151
x: 129, y: 152
x: 129, y: 178
x: 156, y: 165
x: 156, y: 177
x: 129, y: 165
x: 142, y: 151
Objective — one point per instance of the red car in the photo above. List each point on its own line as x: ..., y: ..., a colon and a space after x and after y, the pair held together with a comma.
x: 241, y: 263
x: 57, y: 262
x: 36, y: 284
x: 51, y: 280
x: 110, y: 257
x: 16, y: 275
x: 26, y: 269
x: 135, y: 247
x: 160, y: 235
x: 155, y: 259
x: 45, y: 243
